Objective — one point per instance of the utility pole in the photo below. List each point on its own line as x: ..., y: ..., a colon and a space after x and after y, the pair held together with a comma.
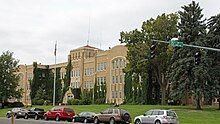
x: 54, y: 83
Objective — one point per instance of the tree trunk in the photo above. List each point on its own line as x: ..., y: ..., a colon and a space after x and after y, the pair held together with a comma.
x: 163, y: 95
x: 163, y: 91
x: 219, y: 103
x: 198, y: 106
x: 149, y: 87
x: 157, y: 89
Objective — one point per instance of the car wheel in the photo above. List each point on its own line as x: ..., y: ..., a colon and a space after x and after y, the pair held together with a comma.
x: 16, y: 116
x: 36, y: 117
x: 137, y: 121
x: 45, y: 117
x: 96, y: 120
x: 70, y: 120
x: 57, y: 118
x: 157, y: 122
x: 85, y: 120
x: 112, y: 121
x: 8, y: 115
x: 26, y: 116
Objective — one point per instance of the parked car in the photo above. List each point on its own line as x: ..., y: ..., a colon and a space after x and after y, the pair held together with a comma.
x: 112, y: 116
x: 17, y: 112
x: 84, y: 117
x: 35, y: 113
x: 157, y: 117
x: 60, y: 113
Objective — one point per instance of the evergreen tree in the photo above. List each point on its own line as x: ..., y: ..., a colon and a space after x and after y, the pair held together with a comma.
x: 127, y: 86
x: 67, y: 78
x: 58, y: 84
x: 213, y: 40
x: 35, y: 82
x: 185, y: 76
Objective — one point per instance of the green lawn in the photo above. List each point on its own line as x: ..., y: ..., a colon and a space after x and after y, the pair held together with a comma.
x: 186, y: 114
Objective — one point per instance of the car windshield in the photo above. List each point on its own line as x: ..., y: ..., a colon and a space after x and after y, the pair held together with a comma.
x: 90, y: 113
x: 68, y: 110
x: 148, y: 113
x: 38, y: 109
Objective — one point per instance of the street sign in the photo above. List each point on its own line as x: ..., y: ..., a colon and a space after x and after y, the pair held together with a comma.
x: 176, y: 43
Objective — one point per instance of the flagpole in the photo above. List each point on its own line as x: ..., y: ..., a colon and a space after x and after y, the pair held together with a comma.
x: 54, y: 83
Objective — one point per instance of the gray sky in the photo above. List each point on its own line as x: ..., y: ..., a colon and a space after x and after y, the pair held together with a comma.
x: 29, y: 28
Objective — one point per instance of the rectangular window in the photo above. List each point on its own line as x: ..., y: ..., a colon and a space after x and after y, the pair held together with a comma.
x: 113, y: 65
x: 116, y: 79
x: 113, y: 95
x: 104, y: 79
x: 113, y: 79
x: 121, y: 81
x: 105, y: 65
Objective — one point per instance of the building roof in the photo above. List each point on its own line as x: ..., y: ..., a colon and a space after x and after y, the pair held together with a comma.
x: 86, y: 47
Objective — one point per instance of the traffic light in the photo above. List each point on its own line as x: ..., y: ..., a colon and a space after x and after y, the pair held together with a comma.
x: 197, y: 58
x: 152, y: 51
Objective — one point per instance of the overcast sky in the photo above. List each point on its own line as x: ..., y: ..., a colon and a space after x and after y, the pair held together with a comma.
x: 29, y: 28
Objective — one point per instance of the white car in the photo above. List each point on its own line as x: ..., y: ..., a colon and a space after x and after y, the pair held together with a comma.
x: 157, y: 117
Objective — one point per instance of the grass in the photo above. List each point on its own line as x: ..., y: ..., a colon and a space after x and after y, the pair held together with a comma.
x: 186, y: 114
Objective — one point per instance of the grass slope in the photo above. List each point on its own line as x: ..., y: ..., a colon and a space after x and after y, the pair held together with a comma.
x: 186, y: 114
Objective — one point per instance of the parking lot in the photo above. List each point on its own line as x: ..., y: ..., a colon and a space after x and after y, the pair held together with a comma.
x: 4, y: 120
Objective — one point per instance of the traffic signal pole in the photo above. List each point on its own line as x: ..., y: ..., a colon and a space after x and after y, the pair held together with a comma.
x: 187, y: 45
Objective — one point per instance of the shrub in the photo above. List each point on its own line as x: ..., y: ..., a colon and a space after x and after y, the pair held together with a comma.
x: 13, y: 104
x: 85, y: 102
x: 100, y: 101
x: 73, y: 102
x: 37, y: 101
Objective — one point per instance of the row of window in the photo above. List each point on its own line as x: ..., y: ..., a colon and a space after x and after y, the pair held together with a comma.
x: 78, y: 55
x: 101, y: 66
x: 88, y: 85
x: 118, y: 79
x: 118, y: 63
x: 75, y: 84
x: 89, y: 71
x: 116, y: 94
x: 101, y: 80
x: 75, y: 73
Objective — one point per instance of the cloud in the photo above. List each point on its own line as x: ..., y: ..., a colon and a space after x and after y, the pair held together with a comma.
x: 29, y: 28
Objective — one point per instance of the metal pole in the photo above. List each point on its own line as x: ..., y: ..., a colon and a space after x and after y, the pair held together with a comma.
x: 187, y: 45
x: 54, y: 83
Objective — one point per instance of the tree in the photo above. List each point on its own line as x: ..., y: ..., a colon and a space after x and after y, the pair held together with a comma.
x: 67, y: 78
x: 184, y: 75
x: 58, y: 94
x: 213, y: 40
x: 140, y: 63
x: 8, y: 77
x: 160, y: 28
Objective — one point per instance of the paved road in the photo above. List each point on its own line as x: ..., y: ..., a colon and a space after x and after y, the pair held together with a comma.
x: 31, y: 121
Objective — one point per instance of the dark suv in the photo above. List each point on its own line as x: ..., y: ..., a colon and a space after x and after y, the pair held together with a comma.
x: 35, y: 113
x: 112, y: 116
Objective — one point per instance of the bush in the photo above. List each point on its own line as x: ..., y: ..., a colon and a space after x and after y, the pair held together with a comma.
x: 73, y: 102
x: 37, y: 101
x: 85, y: 102
x: 100, y: 101
x: 47, y: 102
x: 13, y: 104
